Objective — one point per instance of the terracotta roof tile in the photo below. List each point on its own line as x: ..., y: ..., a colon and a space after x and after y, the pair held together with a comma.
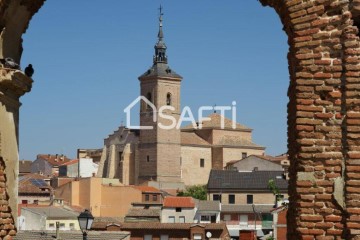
x: 215, y: 122
x: 190, y: 138
x: 74, y: 161
x: 156, y: 225
x: 55, y: 160
x: 173, y: 202
x: 73, y: 235
x: 147, y: 189
x: 25, y: 166
x: 27, y: 184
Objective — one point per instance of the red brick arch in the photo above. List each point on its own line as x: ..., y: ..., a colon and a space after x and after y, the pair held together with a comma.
x: 323, y: 112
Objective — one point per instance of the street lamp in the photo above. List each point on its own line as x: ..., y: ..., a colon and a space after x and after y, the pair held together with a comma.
x: 85, y: 221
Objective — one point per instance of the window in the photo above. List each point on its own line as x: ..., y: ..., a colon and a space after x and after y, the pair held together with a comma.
x: 51, y: 225
x: 178, y: 209
x: 205, y: 218
x: 147, y: 197
x: 154, y: 197
x: 197, y: 237
x: 147, y: 237
x: 36, y: 201
x: 120, y: 156
x: 148, y: 158
x: 72, y: 226
x: 182, y: 219
x: 171, y: 219
x: 231, y: 199
x: 227, y: 217
x: 244, y: 155
x: 168, y: 99
x: 164, y: 237
x: 217, y: 197
x: 202, y: 162
x: 148, y: 96
x: 24, y: 201
x: 62, y: 225
x: 249, y: 199
x: 243, y: 220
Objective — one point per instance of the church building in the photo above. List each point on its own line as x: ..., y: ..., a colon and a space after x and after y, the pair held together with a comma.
x: 171, y: 156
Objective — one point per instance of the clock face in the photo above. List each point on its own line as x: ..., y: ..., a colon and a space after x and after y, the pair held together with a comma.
x: 208, y: 234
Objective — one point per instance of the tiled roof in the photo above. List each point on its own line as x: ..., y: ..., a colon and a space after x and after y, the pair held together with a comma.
x: 250, y: 181
x: 190, y: 138
x: 139, y: 212
x: 26, y: 184
x: 53, y: 213
x: 155, y: 225
x: 73, y: 235
x: 173, y: 202
x: 247, y: 208
x: 147, y: 189
x: 25, y: 166
x: 54, y: 160
x: 215, y: 122
x: 162, y: 70
x: 273, y: 159
x: 208, y: 205
x: 236, y: 141
x: 74, y: 161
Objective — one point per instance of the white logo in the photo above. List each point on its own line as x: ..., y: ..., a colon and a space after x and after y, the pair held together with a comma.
x: 185, y: 116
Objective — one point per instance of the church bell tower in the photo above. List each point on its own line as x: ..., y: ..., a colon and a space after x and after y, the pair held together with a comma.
x: 159, y: 148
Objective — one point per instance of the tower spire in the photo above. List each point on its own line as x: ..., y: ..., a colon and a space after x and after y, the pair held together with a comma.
x: 160, y: 47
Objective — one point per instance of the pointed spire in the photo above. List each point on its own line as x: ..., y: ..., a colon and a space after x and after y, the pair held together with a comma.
x: 160, y: 47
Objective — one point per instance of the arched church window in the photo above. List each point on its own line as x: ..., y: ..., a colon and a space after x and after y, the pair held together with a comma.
x: 168, y: 99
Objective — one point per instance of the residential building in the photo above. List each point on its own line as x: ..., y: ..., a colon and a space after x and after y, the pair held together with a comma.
x: 253, y: 163
x: 173, y: 231
x: 74, y: 235
x: 171, y: 155
x: 34, y: 189
x: 45, y: 218
x: 149, y: 209
x: 279, y: 223
x: 246, y: 198
x: 103, y: 197
x: 178, y: 210
x: 207, y: 211
x: 24, y: 167
x: 47, y: 164
x: 95, y: 154
x: 83, y: 167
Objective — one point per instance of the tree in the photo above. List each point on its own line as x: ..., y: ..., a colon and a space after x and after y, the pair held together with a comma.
x: 195, y: 191
x: 274, y: 189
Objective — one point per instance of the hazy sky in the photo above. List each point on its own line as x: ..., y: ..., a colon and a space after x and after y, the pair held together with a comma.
x: 88, y: 54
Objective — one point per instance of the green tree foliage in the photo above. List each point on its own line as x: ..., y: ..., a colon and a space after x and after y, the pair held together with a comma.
x: 195, y: 191
x: 274, y: 189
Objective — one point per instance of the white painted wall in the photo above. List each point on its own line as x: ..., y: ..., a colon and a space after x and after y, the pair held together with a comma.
x: 87, y: 167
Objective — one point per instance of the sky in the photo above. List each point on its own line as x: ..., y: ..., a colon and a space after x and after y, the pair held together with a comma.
x: 88, y: 54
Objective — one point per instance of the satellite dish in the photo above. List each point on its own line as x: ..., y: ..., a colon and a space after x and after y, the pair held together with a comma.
x: 208, y: 235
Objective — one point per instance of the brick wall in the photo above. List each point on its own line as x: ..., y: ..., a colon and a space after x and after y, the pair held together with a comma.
x: 6, y: 219
x: 323, y: 118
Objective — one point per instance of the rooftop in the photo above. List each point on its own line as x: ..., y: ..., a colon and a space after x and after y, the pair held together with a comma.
x: 174, y: 202
x: 73, y: 235
x: 208, y: 205
x: 147, y: 189
x: 33, y: 183
x: 54, y: 160
x: 215, y: 123
x: 191, y: 138
x: 53, y: 213
x: 25, y: 166
x: 249, y: 181
x: 247, y: 208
